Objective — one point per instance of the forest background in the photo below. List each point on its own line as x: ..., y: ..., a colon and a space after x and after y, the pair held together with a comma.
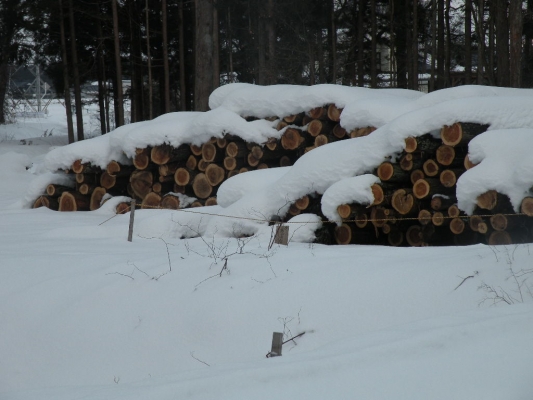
x: 169, y: 55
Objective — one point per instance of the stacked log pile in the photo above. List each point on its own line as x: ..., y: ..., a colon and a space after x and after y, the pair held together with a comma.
x: 415, y: 203
x: 157, y: 174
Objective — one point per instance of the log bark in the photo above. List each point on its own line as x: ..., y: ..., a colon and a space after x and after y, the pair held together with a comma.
x: 165, y: 153
x: 169, y: 169
x: 424, y: 145
x: 151, y: 201
x: 416, y: 175
x: 493, y: 201
x: 84, y: 168
x: 362, y: 132
x: 339, y: 132
x: 86, y: 188
x: 413, y: 236
x: 96, y: 198
x: 501, y: 222
x: 442, y: 202
x: 467, y: 163
x: 459, y: 134
x: 474, y: 222
x: 56, y: 190
x: 141, y: 183
x: 395, y: 237
x: 526, y: 207
x: 285, y: 161
x: 201, y: 186
x: 202, y: 165
x: 426, y: 187
x: 294, y: 119
x: 497, y: 238
x: 388, y: 172
x: 46, y: 201
x: 87, y: 178
x: 73, y: 201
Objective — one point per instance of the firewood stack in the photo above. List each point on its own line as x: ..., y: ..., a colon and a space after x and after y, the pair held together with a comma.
x: 157, y: 174
x: 415, y: 203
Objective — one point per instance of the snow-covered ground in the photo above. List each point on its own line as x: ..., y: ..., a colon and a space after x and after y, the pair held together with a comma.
x: 85, y: 314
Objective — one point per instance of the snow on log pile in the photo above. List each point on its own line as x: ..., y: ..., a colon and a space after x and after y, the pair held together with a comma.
x: 412, y: 181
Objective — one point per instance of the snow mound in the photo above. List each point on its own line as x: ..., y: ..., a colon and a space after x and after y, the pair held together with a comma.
x: 348, y: 191
x: 505, y: 165
x: 237, y: 186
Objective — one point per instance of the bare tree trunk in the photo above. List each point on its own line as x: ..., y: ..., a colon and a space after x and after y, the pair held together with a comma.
x: 100, y: 67
x: 149, y: 61
x: 66, y: 80
x: 515, y: 22
x: 360, y: 44
x: 502, y: 43
x: 468, y: 42
x: 373, y: 44
x: 491, y: 50
x: 311, y: 51
x: 229, y: 45
x: 76, y: 73
x: 433, y: 44
x: 332, y: 33
x: 414, y: 45
x: 216, y: 48
x: 271, y: 43
x: 448, y: 56
x: 181, y: 38
x: 166, y: 75
x: 481, y: 41
x: 320, y: 55
x: 441, y: 79
x: 119, y: 100
x: 204, y: 54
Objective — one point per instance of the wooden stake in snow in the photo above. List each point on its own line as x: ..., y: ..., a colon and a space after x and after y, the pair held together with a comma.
x: 132, y: 217
x: 277, y: 343
x: 282, y: 235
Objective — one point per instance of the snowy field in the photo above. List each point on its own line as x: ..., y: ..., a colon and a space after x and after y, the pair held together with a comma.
x: 87, y: 315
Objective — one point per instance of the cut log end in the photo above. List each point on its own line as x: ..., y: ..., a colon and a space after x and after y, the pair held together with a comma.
x: 403, y: 201
x: 527, y: 206
x: 343, y: 234
x: 201, y: 186
x: 151, y: 201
